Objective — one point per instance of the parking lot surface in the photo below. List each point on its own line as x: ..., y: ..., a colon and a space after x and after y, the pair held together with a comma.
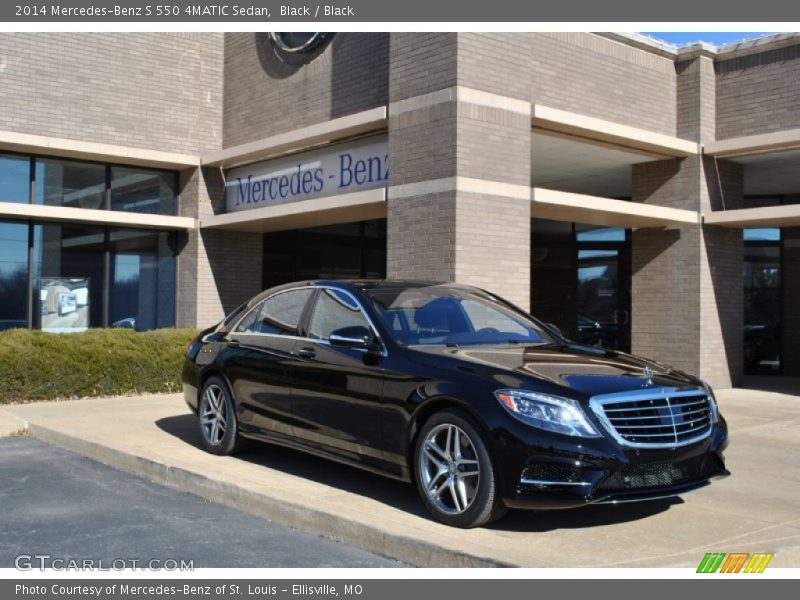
x: 72, y: 508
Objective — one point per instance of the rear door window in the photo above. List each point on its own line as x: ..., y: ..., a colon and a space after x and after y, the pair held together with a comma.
x: 278, y: 315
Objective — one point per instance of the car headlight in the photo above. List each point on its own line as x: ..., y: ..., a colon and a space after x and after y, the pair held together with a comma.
x: 712, y: 403
x: 553, y: 413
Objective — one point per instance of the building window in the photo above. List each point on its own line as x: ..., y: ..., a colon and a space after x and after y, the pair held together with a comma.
x: 13, y: 274
x: 762, y: 301
x: 15, y: 176
x: 70, y: 183
x: 85, y: 276
x: 141, y: 280
x: 343, y: 251
x: 143, y: 191
x: 69, y: 276
x: 81, y: 184
x: 581, y: 281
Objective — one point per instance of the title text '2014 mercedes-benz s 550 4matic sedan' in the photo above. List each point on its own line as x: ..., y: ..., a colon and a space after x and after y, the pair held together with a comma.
x: 480, y: 405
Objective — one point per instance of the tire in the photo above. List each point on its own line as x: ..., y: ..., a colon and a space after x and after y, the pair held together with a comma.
x: 454, y: 498
x: 223, y: 439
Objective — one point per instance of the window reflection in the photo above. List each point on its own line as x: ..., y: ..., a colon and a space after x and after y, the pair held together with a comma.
x: 68, y: 276
x: 15, y: 175
x: 762, y: 300
x: 143, y: 191
x: 13, y: 274
x: 142, y: 279
x: 70, y: 183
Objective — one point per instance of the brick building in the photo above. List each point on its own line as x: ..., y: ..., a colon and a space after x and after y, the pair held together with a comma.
x: 637, y: 195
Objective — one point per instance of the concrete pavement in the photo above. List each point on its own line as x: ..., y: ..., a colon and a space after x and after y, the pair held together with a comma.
x: 757, y: 509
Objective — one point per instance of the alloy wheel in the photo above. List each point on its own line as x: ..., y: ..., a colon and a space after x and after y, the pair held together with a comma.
x: 449, y: 468
x: 213, y: 415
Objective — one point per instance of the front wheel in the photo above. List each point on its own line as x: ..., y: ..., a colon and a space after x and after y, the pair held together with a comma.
x: 218, y: 427
x: 454, y: 472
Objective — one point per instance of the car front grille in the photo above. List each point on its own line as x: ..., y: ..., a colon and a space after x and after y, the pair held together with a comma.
x: 659, y: 474
x: 668, y: 419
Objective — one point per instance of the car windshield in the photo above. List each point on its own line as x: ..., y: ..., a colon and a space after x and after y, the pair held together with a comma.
x: 441, y: 314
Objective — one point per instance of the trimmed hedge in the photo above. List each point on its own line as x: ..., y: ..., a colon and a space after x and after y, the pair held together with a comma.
x: 35, y: 365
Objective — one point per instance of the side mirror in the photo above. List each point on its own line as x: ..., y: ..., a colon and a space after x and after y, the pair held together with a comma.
x: 355, y: 336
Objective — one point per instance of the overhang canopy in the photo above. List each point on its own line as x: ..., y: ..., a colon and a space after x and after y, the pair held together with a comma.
x: 595, y: 210
x: 344, y: 208
x: 754, y: 144
x: 78, y: 149
x: 68, y: 214
x: 787, y: 215
x: 299, y: 139
x: 562, y: 121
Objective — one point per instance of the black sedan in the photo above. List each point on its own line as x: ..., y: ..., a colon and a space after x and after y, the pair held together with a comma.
x: 450, y: 387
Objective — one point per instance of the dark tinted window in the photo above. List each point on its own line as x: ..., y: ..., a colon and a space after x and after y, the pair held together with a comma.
x: 333, y: 310
x: 143, y: 191
x: 142, y: 279
x: 70, y: 183
x: 15, y: 176
x: 13, y: 274
x: 278, y: 314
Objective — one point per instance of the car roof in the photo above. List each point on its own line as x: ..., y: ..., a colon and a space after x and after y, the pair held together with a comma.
x: 359, y: 284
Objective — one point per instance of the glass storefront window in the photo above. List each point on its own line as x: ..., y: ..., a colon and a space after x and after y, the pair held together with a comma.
x: 15, y: 176
x: 142, y: 279
x: 68, y: 276
x: 70, y: 183
x: 762, y: 300
x: 13, y: 274
x: 596, y: 233
x: 343, y: 251
x: 70, y: 282
x: 581, y: 281
x: 143, y: 191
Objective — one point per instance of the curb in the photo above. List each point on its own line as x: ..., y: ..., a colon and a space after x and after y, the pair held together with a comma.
x: 11, y: 425
x: 295, y: 515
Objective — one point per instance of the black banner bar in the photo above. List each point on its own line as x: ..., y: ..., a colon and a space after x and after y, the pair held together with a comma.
x: 386, y: 589
x: 336, y: 11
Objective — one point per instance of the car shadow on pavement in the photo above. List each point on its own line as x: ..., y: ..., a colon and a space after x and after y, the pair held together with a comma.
x: 403, y: 496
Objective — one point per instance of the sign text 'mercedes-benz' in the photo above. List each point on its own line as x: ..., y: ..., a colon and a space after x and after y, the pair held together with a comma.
x: 344, y: 168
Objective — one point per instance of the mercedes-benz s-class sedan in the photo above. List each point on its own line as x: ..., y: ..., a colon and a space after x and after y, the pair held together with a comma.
x: 480, y: 405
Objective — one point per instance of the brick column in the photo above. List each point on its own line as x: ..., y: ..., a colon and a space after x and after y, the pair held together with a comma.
x: 687, y: 300
x: 459, y: 141
x: 217, y: 270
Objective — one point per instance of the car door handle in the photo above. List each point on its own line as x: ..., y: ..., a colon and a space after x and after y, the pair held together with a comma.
x: 306, y: 353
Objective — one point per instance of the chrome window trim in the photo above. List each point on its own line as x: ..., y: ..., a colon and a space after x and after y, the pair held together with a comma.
x: 235, y: 328
x: 597, y: 402
x: 383, y: 352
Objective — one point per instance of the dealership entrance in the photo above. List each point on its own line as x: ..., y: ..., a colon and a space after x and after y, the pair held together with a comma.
x: 581, y: 281
x: 343, y: 251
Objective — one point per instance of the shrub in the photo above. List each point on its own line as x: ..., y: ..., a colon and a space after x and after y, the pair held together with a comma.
x: 35, y: 365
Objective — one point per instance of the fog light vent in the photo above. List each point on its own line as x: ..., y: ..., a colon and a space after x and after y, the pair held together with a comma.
x: 552, y: 472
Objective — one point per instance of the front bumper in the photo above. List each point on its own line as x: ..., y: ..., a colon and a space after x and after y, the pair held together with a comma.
x: 553, y: 474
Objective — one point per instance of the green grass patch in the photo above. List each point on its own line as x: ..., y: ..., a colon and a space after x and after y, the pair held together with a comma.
x: 99, y: 362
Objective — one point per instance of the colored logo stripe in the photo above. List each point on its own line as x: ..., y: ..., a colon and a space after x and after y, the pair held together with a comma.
x: 734, y: 562
x: 758, y: 563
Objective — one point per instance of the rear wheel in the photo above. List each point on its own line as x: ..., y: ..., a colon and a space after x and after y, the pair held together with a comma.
x: 454, y: 472
x: 217, y: 418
